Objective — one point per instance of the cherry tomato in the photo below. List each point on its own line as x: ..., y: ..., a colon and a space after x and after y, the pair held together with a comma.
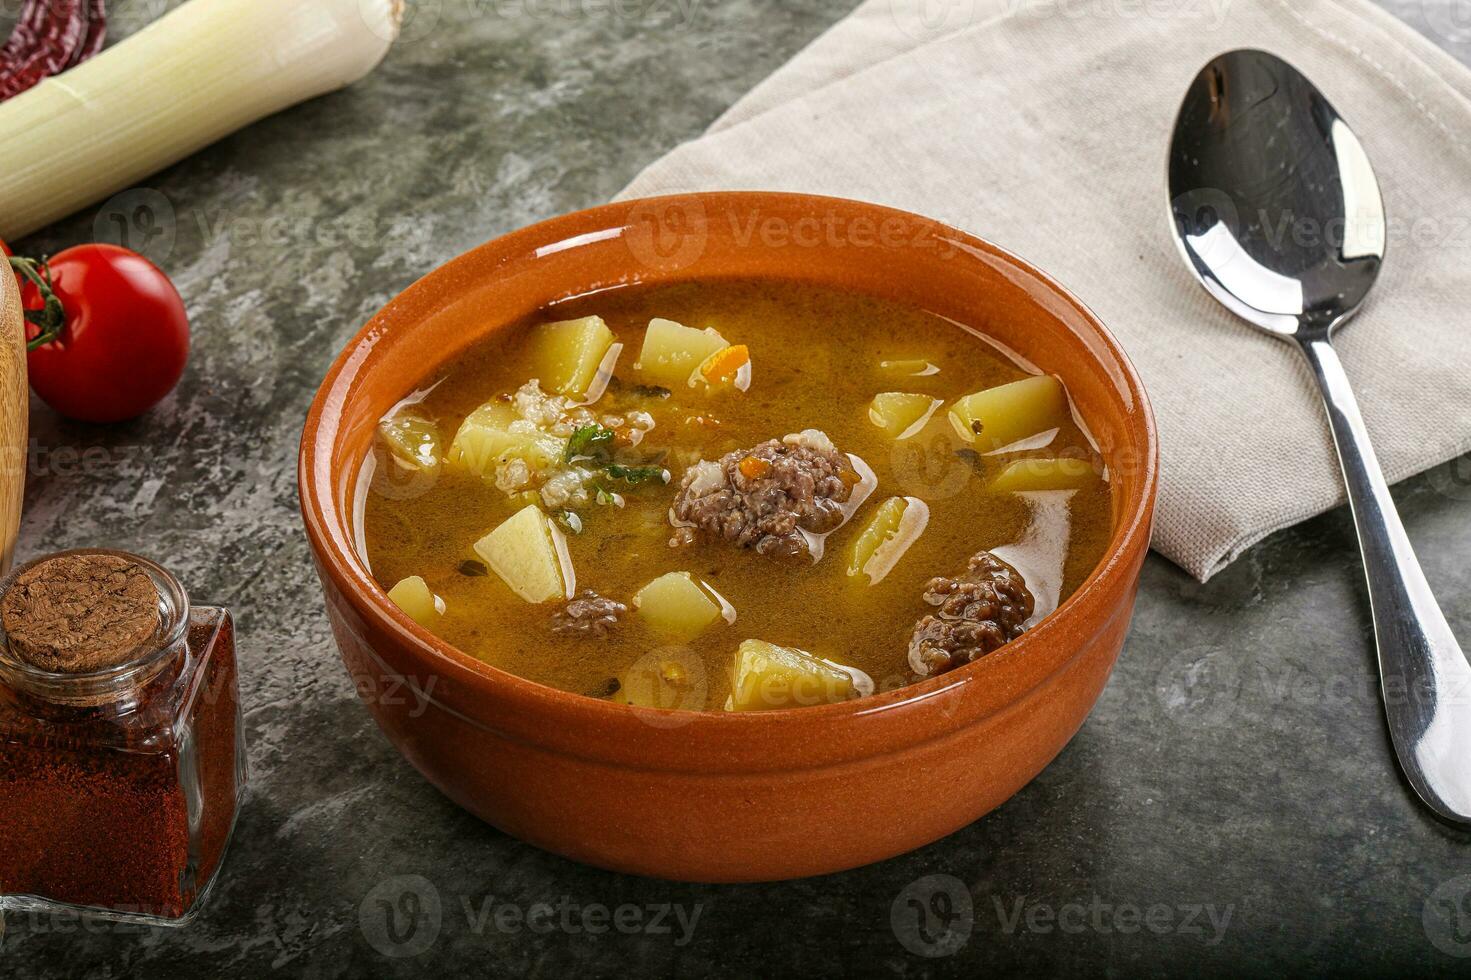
x: 123, y: 335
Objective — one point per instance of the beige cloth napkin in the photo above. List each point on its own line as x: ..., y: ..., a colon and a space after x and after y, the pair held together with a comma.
x: 1043, y: 124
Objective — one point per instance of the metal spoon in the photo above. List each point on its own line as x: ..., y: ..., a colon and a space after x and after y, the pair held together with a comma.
x: 1279, y: 214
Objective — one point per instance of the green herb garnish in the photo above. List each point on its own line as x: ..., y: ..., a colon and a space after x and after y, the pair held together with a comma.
x: 590, y: 441
x: 635, y: 475
x: 596, y: 443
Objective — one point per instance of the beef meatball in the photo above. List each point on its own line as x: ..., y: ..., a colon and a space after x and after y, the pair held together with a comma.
x: 766, y: 496
x: 589, y: 614
x: 984, y: 609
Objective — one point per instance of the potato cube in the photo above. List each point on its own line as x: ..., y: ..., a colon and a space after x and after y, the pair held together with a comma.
x: 890, y: 533
x: 567, y: 354
x: 998, y: 417
x: 900, y: 413
x: 412, y: 441
x: 1045, y: 474
x: 672, y: 353
x: 492, y: 434
x: 412, y: 595
x: 676, y: 607
x: 767, y: 676
x: 881, y: 528
x: 530, y: 555
x: 666, y: 679
x: 914, y: 368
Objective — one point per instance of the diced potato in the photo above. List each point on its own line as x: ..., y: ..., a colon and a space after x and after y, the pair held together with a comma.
x: 897, y: 412
x: 672, y: 679
x: 492, y: 434
x: 767, y: 676
x: 891, y: 532
x: 672, y: 353
x: 525, y: 552
x: 909, y: 369
x: 412, y: 595
x: 1001, y: 416
x: 413, y: 441
x: 675, y: 606
x: 567, y: 354
x: 1045, y: 474
x: 881, y: 528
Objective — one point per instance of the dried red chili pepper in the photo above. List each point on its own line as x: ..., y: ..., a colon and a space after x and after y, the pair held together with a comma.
x: 24, y: 34
x: 50, y: 37
x: 96, y: 35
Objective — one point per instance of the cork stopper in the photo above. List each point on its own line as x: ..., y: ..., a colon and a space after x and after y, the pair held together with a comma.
x: 80, y: 613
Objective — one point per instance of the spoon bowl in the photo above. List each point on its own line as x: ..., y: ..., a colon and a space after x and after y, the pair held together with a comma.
x: 1276, y: 205
x: 1278, y: 213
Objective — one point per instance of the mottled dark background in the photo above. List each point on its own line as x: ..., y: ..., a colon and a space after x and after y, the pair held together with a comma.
x: 1235, y: 768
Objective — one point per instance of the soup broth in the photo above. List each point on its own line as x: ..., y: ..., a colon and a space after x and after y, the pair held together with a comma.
x: 814, y: 361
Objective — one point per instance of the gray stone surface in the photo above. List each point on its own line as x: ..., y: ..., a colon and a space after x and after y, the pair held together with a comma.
x: 1236, y: 765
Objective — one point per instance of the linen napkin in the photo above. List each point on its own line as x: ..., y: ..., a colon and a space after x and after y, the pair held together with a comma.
x: 1043, y: 125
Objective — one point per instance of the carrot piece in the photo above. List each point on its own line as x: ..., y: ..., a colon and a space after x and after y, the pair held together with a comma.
x: 723, y: 365
x: 754, y: 467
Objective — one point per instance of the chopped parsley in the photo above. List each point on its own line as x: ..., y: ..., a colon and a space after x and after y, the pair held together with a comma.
x: 596, y: 444
x: 589, y: 442
x: 636, y: 475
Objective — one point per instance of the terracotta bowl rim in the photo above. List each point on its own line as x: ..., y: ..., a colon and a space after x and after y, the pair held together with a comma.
x: 329, y: 533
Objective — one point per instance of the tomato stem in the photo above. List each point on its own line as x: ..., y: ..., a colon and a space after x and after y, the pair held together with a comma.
x: 50, y: 319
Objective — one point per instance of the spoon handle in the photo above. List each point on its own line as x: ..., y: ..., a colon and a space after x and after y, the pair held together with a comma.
x: 1425, y: 677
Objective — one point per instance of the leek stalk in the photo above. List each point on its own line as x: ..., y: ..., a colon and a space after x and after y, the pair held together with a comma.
x: 195, y: 75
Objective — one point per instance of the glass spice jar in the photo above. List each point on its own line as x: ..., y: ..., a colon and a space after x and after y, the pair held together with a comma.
x: 122, y: 754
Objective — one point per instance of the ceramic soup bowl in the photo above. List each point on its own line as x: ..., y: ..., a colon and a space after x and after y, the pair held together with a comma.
x: 719, y: 796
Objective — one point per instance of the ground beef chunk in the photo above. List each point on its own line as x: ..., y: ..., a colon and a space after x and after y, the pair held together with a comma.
x: 765, y: 496
x: 980, y: 611
x: 588, y: 615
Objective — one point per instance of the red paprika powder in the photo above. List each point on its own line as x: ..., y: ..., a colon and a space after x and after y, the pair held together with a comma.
x: 122, y: 758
